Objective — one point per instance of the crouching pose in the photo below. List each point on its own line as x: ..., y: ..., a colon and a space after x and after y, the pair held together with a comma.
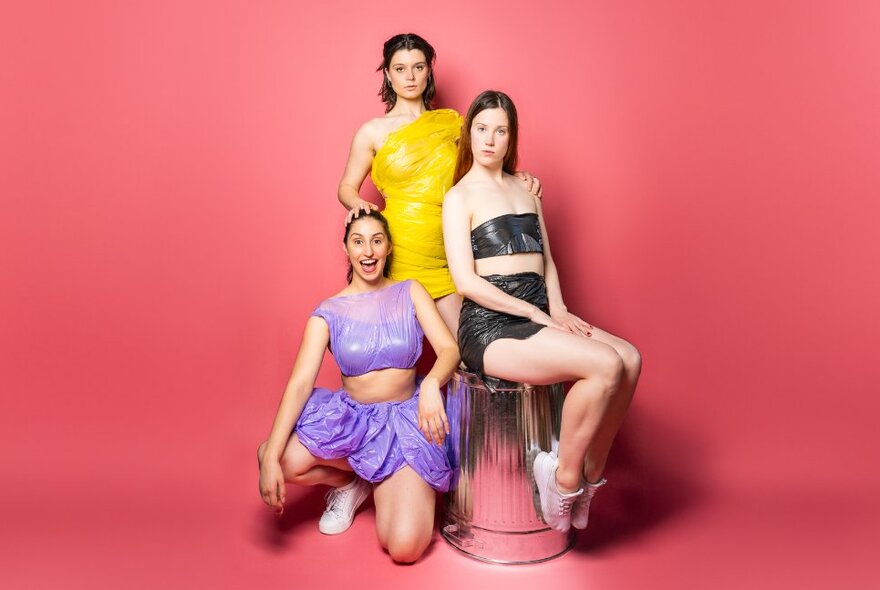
x: 385, y: 428
x: 514, y: 324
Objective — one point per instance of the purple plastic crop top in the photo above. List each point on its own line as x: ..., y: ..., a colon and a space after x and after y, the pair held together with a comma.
x: 373, y: 330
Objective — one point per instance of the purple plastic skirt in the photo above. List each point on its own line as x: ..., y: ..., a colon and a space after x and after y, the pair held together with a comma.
x: 377, y: 439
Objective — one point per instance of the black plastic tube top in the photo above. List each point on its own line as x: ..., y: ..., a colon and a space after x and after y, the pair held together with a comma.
x: 507, y: 234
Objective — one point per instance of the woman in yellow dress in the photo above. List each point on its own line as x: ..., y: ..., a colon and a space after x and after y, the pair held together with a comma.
x: 410, y: 154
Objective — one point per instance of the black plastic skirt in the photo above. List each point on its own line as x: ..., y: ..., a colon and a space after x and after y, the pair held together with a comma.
x: 478, y: 327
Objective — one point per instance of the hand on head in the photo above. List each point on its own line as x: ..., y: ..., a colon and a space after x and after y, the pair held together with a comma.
x: 361, y: 207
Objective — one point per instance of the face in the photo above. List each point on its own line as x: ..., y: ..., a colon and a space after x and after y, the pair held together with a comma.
x: 367, y: 248
x: 490, y: 135
x: 408, y: 73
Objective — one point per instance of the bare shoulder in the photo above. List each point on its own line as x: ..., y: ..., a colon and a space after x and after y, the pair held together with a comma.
x: 417, y: 291
x: 523, y: 200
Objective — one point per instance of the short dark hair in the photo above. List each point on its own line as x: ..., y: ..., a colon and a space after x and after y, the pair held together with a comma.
x: 381, y: 219
x: 406, y: 41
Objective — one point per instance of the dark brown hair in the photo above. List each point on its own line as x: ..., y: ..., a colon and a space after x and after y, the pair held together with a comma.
x: 489, y: 99
x: 381, y: 219
x: 406, y: 41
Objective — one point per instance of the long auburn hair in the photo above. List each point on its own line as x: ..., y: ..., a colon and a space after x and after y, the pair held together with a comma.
x: 489, y: 99
x: 406, y: 41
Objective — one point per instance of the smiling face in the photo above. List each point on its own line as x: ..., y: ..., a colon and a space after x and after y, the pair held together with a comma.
x: 408, y: 72
x: 367, y: 248
x: 490, y: 137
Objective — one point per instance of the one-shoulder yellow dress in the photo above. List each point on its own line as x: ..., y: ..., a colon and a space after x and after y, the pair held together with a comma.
x: 413, y: 170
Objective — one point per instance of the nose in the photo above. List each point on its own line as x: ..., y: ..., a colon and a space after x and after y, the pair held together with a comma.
x: 490, y: 139
x: 410, y: 74
x: 368, y: 250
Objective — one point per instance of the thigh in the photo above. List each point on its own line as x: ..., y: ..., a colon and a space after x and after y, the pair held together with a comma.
x: 404, y: 503
x: 298, y: 459
x: 550, y: 356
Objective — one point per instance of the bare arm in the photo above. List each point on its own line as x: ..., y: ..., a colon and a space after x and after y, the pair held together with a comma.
x: 456, y: 236
x: 299, y: 388
x: 360, y: 160
x: 432, y: 416
x: 558, y: 311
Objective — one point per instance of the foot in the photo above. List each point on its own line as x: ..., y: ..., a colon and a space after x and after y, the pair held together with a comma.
x: 580, y: 513
x: 341, y: 506
x: 555, y: 506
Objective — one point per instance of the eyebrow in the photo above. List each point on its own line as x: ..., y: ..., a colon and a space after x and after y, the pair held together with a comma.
x: 418, y: 63
x: 354, y: 233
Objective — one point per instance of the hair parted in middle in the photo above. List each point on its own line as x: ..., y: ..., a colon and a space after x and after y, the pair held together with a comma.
x: 488, y: 99
x: 406, y: 41
x: 372, y: 214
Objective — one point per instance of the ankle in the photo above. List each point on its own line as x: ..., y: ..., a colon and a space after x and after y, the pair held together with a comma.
x: 567, y: 483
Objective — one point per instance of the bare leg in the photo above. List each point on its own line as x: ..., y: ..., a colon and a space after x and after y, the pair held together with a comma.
x: 551, y: 356
x: 404, y: 515
x: 301, y: 467
x: 449, y: 307
x: 597, y: 455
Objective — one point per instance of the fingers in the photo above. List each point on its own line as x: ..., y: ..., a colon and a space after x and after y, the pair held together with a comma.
x: 434, y: 428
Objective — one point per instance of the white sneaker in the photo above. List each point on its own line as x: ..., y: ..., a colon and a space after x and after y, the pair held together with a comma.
x: 341, y: 506
x: 580, y: 513
x: 555, y: 506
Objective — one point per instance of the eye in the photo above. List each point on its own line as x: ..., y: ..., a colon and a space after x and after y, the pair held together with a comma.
x: 377, y: 241
x: 398, y: 69
x: 358, y: 241
x: 420, y: 67
x: 502, y: 132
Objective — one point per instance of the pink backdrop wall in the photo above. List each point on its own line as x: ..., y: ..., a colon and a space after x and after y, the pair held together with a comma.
x: 169, y: 219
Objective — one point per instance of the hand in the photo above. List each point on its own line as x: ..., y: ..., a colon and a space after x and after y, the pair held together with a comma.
x: 432, y: 416
x: 531, y: 183
x: 572, y: 323
x: 539, y: 317
x: 360, y: 206
x: 272, y: 486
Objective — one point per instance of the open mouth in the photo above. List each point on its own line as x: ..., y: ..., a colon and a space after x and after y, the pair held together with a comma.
x: 369, y: 266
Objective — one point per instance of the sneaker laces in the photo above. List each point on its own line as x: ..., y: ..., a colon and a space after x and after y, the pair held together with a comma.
x: 332, y: 505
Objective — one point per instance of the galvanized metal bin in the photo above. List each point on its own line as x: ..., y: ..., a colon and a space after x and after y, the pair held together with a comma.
x: 492, y: 513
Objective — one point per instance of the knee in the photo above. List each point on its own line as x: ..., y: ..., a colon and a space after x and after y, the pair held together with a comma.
x: 610, y: 371
x: 632, y: 360
x: 407, y: 547
x: 292, y: 466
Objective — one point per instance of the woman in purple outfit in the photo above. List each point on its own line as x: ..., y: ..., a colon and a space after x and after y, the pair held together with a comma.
x: 385, y: 426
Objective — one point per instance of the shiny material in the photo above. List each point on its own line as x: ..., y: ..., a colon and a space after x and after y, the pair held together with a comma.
x: 377, y: 439
x: 413, y: 170
x: 491, y: 513
x: 507, y: 234
x: 373, y: 330
x: 478, y: 326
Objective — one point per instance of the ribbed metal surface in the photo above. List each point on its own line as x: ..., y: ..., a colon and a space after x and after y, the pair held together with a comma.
x: 495, y: 433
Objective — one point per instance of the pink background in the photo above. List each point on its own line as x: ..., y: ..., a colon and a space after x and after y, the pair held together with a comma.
x: 168, y: 174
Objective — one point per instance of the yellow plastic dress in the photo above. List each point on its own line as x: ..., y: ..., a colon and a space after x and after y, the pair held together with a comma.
x: 413, y: 170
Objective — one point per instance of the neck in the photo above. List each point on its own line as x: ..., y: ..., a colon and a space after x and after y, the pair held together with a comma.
x: 494, y: 173
x: 408, y: 106
x: 361, y: 284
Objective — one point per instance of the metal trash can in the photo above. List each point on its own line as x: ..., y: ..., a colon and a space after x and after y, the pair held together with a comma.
x: 492, y: 513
